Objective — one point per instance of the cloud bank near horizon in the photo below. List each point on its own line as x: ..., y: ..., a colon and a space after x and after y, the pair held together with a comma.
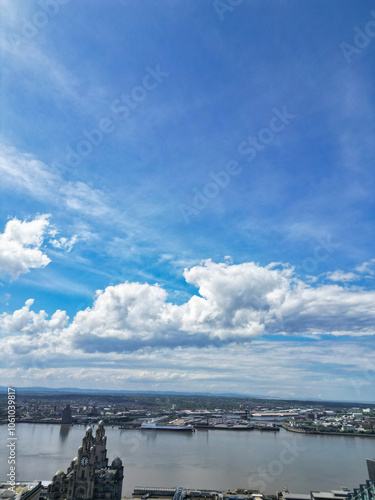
x: 234, y: 304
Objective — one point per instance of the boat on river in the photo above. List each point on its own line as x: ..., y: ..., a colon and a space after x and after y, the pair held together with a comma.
x: 153, y: 426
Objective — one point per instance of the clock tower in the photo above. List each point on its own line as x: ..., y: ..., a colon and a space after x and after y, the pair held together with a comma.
x: 89, y: 477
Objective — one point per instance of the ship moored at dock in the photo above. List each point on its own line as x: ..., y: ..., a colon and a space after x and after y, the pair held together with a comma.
x: 153, y: 426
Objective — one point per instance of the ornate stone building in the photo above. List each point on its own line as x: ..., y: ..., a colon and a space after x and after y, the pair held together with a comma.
x: 89, y: 477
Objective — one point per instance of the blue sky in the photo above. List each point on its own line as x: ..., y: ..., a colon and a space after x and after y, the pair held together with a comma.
x: 187, y: 196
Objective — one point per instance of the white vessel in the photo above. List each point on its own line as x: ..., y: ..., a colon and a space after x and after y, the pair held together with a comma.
x: 153, y: 426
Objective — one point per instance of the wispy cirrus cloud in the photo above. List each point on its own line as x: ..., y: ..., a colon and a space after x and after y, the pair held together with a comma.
x: 367, y: 268
x: 23, y: 46
x: 25, y: 173
x: 290, y: 368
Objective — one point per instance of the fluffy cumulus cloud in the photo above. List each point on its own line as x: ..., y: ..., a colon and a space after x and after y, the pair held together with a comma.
x: 32, y: 337
x: 20, y: 246
x: 126, y: 316
x: 65, y: 243
x: 236, y: 301
x: 149, y: 342
x: 235, y: 304
x: 25, y: 321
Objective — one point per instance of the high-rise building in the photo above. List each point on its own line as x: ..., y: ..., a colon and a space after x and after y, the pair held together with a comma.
x: 89, y: 477
x: 66, y: 415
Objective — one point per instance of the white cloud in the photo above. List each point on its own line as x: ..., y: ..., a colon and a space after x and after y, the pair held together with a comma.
x: 25, y: 321
x: 236, y: 303
x: 367, y: 268
x: 126, y: 311
x: 343, y: 368
x: 65, y: 243
x: 235, y: 299
x: 150, y: 343
x: 342, y: 276
x: 20, y: 246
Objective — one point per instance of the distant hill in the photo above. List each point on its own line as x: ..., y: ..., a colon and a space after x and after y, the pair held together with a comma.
x: 75, y: 390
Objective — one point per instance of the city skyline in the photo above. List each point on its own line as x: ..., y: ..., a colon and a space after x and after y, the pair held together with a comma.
x: 187, y: 197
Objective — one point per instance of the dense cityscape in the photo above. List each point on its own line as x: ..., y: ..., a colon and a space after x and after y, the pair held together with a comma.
x: 129, y: 411
x: 134, y: 412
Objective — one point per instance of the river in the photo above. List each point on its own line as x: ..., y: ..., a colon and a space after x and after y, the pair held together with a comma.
x: 210, y: 459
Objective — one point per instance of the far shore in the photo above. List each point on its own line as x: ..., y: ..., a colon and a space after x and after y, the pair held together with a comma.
x: 329, y: 433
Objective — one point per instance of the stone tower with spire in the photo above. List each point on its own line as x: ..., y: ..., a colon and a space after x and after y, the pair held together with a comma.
x: 89, y: 477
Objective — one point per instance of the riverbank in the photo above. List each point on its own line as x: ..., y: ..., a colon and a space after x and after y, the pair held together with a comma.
x: 329, y: 433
